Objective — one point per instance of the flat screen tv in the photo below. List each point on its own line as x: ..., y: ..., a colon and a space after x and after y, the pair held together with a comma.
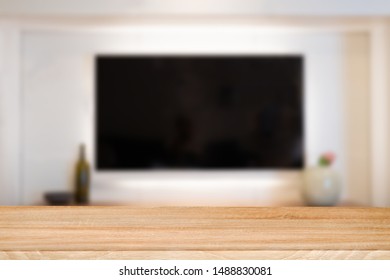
x: 199, y: 112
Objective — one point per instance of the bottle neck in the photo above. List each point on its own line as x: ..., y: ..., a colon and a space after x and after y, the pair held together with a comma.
x: 82, y: 152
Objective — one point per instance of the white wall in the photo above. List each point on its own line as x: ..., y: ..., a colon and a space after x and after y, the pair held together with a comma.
x: 10, y: 115
x: 380, y: 114
x: 57, y: 105
x: 357, y: 116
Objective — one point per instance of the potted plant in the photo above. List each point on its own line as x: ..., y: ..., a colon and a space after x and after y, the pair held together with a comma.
x: 322, y: 186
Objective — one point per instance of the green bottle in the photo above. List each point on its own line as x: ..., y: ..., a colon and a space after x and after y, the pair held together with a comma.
x: 82, y: 178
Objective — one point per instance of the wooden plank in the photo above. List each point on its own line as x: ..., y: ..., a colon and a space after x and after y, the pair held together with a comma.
x: 195, y: 255
x: 193, y: 229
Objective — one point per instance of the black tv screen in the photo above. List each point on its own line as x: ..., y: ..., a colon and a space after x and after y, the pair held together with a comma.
x: 199, y: 112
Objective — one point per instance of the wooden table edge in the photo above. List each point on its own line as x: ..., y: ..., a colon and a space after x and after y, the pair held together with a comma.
x: 199, y: 255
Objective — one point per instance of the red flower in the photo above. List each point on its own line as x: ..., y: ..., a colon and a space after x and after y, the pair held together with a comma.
x: 327, y: 159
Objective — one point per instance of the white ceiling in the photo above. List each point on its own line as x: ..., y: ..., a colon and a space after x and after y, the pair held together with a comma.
x: 112, y: 8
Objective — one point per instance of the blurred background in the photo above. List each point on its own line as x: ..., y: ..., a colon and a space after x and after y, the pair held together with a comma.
x: 217, y: 103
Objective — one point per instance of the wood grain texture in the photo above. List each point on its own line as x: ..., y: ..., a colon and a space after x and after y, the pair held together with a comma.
x: 195, y: 255
x: 110, y: 229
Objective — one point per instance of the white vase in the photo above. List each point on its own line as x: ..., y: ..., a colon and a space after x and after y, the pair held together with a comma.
x: 322, y: 186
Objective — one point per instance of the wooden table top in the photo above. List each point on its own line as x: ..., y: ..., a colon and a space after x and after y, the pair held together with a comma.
x: 220, y: 229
